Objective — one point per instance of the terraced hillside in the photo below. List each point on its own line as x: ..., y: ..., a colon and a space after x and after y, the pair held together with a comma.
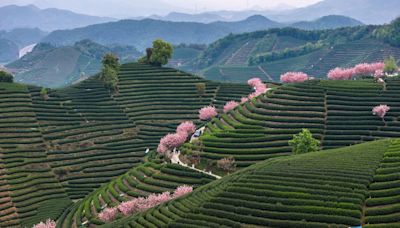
x: 61, y: 147
x: 322, y: 189
x: 29, y: 189
x: 150, y: 177
x: 338, y: 113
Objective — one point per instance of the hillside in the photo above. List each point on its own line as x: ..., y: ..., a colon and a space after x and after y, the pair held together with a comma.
x: 328, y: 22
x: 9, y: 51
x: 13, y: 16
x: 337, y: 113
x: 345, y: 187
x: 268, y: 54
x: 62, y: 148
x: 55, y: 67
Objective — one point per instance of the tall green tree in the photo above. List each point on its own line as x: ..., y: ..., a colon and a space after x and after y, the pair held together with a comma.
x: 390, y: 65
x: 109, y: 74
x: 161, y: 52
x: 304, y: 142
x: 111, y: 60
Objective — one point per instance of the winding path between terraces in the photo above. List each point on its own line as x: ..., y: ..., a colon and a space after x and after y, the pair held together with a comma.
x: 176, y: 160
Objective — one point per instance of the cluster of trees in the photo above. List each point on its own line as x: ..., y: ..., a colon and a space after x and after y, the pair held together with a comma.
x: 6, y: 77
x: 362, y: 69
x: 287, y: 53
x: 159, y: 54
x: 200, y: 47
x: 142, y: 203
x: 294, y: 77
x: 174, y: 140
x: 109, y: 73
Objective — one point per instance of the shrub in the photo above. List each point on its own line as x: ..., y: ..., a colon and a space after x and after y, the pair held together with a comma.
x: 390, y: 65
x: 227, y: 164
x: 43, y: 93
x: 201, y: 88
x: 6, y: 77
x: 304, y: 142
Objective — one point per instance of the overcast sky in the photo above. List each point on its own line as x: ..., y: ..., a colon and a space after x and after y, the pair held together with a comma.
x: 132, y: 8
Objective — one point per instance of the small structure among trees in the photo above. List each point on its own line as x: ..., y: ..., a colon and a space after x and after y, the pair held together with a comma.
x: 159, y: 54
x: 109, y: 74
x: 304, y: 142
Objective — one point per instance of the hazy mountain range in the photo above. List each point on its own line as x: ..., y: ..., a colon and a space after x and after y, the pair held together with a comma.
x: 141, y: 33
x: 30, y: 16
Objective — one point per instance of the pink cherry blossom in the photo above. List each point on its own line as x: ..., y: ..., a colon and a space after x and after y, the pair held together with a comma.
x: 244, y: 100
x: 128, y: 207
x: 48, y: 224
x: 254, y: 82
x: 108, y: 214
x: 230, y: 105
x: 379, y: 74
x: 208, y: 113
x: 182, y: 190
x: 380, y: 110
x: 187, y: 127
x: 172, y: 141
x: 341, y: 74
x: 294, y: 77
x: 261, y: 88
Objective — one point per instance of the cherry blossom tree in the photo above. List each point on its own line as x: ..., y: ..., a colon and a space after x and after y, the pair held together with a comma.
x: 182, y: 190
x: 172, y: 141
x: 254, y: 82
x: 141, y: 204
x: 48, y: 224
x: 230, y: 105
x: 379, y: 74
x: 244, y: 100
x: 187, y: 127
x: 108, y: 214
x: 381, y: 111
x: 341, y: 73
x: 294, y: 77
x: 208, y: 113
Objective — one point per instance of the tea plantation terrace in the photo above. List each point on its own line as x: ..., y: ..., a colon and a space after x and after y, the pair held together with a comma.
x: 343, y: 187
x: 60, y: 148
x: 338, y: 113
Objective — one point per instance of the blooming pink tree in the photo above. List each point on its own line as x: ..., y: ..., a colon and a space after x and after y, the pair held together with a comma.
x: 208, y: 113
x: 108, y: 214
x: 381, y: 111
x: 48, y: 224
x: 254, y: 82
x: 172, y: 141
x: 230, y: 105
x: 341, y: 74
x: 142, y: 203
x: 294, y: 77
x: 244, y: 100
x: 187, y: 127
x: 379, y: 74
x: 182, y: 190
